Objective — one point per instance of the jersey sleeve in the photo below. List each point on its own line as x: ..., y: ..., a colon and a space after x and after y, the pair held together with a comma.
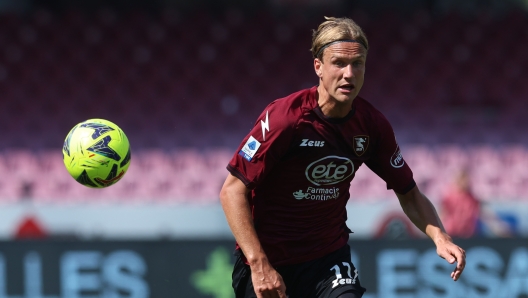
x: 267, y: 142
x: 387, y: 160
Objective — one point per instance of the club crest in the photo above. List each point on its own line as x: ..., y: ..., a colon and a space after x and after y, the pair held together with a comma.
x: 360, y: 144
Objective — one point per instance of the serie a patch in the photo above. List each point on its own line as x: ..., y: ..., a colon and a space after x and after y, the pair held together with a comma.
x: 250, y: 148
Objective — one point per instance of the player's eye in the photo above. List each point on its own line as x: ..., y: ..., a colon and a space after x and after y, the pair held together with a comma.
x: 339, y: 64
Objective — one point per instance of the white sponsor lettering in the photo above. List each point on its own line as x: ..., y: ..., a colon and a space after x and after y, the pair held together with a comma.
x: 396, y: 159
x: 317, y: 193
x: 329, y: 170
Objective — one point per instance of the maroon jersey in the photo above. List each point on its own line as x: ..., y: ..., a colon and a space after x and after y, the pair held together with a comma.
x: 298, y: 164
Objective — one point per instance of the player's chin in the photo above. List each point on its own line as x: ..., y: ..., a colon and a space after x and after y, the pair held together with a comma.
x: 345, y: 96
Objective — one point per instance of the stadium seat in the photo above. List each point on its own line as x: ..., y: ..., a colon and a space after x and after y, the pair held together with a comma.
x: 165, y: 81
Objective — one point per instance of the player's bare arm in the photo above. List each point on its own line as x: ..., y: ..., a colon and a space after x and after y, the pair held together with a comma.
x: 267, y: 282
x: 424, y: 216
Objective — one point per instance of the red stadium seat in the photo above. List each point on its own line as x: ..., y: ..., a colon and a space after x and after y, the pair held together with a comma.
x: 164, y: 80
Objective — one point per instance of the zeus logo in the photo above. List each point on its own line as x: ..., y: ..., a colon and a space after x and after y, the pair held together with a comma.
x: 309, y: 143
x: 265, y: 126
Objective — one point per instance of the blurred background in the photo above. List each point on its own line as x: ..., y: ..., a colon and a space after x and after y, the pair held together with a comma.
x: 186, y: 80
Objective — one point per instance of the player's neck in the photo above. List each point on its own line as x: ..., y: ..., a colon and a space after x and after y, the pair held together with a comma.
x: 331, y: 107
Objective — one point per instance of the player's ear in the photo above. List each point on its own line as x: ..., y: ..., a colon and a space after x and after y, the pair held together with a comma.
x: 317, y: 67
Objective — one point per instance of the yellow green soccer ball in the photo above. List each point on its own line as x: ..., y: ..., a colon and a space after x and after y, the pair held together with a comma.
x: 96, y: 153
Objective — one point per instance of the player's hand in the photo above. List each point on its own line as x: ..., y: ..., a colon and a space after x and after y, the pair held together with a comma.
x: 452, y: 253
x: 267, y: 282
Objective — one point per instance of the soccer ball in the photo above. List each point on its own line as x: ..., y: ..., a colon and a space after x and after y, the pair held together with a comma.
x: 96, y: 153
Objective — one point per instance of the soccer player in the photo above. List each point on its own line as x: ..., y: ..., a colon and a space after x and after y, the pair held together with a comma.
x: 285, y: 197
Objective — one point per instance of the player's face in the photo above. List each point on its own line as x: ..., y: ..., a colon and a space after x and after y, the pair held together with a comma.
x: 342, y: 70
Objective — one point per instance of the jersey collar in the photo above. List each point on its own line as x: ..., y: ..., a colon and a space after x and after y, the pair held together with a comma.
x: 319, y: 112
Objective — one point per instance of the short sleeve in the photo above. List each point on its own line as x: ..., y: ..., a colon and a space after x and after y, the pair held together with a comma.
x: 387, y: 160
x: 265, y: 145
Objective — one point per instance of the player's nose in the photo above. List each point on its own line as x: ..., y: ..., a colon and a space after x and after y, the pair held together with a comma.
x: 348, y: 71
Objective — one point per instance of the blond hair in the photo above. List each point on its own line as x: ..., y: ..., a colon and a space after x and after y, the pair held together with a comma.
x: 334, y: 30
